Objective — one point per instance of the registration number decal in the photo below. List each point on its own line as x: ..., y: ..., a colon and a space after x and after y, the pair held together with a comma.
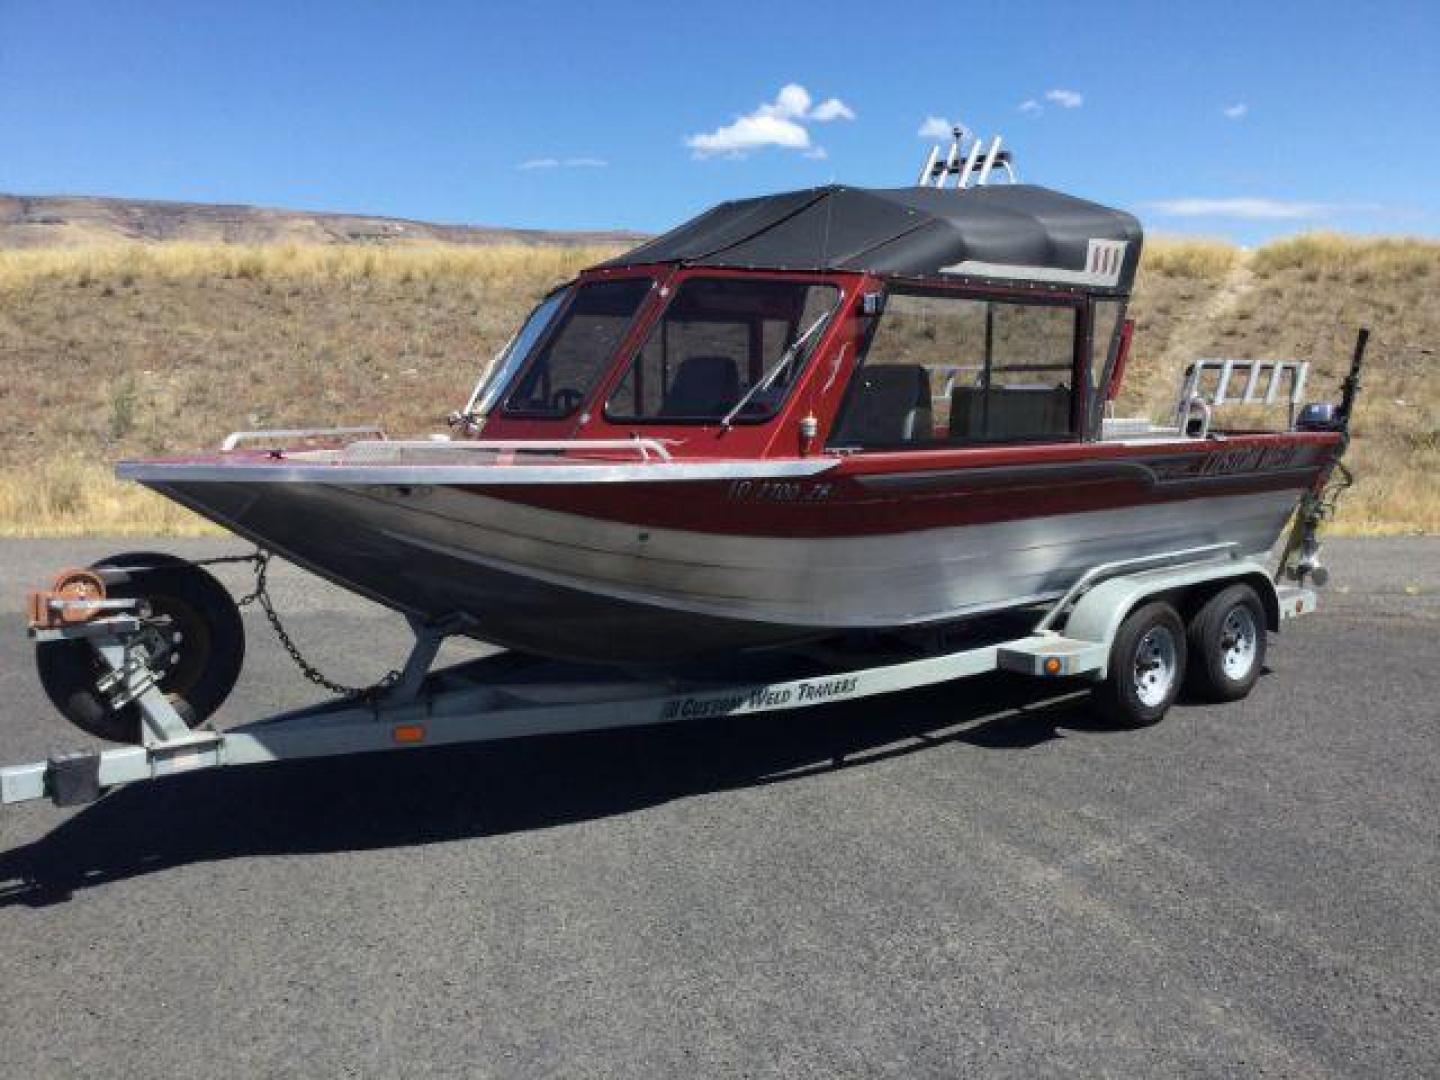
x: 780, y: 491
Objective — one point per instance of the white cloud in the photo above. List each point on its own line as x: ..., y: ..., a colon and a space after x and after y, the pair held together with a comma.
x: 564, y: 163
x: 937, y: 127
x: 750, y: 133
x: 1250, y: 209
x: 1031, y: 106
x: 831, y: 109
x: 792, y: 103
x: 779, y: 123
x: 1236, y: 111
x: 1066, y: 99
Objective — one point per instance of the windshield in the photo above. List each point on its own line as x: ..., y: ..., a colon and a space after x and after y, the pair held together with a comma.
x: 565, y: 362
x: 503, y: 367
x: 725, y: 349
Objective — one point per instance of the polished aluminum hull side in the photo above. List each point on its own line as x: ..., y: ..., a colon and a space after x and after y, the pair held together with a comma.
x: 564, y: 584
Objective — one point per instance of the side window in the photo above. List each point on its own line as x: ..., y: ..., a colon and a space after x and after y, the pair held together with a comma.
x: 1105, y: 318
x: 558, y: 376
x: 947, y: 369
x: 1027, y: 393
x: 517, y: 350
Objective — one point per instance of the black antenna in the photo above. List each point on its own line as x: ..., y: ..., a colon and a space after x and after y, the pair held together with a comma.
x: 1350, y: 388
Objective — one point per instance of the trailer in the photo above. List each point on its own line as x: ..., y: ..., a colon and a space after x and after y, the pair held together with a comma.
x: 1138, y: 630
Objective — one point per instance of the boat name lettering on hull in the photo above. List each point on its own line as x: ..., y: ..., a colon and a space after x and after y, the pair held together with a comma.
x: 1245, y: 459
x: 780, y: 491
x: 805, y: 693
x: 1232, y: 461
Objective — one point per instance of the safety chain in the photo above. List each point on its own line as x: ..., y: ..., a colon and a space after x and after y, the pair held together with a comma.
x: 1316, y: 508
x: 261, y: 595
x: 1340, y: 482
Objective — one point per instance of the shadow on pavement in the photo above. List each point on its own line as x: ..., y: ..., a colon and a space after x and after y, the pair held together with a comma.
x: 384, y: 800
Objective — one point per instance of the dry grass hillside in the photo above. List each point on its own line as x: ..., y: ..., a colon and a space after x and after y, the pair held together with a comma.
x: 1303, y: 298
x: 136, y: 349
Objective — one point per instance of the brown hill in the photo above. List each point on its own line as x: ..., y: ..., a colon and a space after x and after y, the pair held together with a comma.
x: 43, y: 221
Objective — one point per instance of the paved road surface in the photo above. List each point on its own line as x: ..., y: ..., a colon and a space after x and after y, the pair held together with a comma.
x: 964, y: 879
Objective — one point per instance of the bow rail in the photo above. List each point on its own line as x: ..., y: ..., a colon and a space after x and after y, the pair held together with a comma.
x: 396, y: 451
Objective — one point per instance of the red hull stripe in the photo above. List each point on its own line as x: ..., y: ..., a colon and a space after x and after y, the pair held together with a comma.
x: 850, y: 502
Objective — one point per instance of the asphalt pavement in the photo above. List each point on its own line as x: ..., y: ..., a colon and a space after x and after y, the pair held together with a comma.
x: 974, y: 879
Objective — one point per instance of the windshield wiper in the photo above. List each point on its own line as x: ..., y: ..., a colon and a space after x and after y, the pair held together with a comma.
x: 780, y: 365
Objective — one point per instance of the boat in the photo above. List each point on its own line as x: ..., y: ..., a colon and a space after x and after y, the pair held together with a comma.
x: 801, y: 416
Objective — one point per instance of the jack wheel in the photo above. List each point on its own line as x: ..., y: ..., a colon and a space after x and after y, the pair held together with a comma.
x: 193, y: 634
x: 1227, y: 645
x: 1147, y: 667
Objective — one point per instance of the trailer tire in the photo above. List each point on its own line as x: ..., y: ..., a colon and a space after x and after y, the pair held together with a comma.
x: 1147, y: 666
x: 1227, y: 645
x: 204, y: 627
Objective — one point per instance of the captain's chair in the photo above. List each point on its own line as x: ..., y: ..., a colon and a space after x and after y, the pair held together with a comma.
x: 889, y: 404
x: 703, y: 386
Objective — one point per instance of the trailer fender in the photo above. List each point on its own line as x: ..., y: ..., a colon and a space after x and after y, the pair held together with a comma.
x: 1098, y: 614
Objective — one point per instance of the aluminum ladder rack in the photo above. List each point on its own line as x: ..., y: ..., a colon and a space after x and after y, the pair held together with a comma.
x: 1209, y: 383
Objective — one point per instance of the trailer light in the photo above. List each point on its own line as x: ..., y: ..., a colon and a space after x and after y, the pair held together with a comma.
x: 1052, y: 666
x: 408, y: 733
x: 74, y: 597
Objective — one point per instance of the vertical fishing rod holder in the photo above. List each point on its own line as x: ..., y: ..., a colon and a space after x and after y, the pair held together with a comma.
x: 971, y: 164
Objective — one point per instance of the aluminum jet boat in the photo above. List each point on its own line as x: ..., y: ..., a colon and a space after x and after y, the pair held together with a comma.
x: 793, y: 417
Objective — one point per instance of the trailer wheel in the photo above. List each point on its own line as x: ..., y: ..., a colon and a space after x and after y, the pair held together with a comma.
x: 1227, y: 645
x: 193, y: 620
x: 1147, y: 666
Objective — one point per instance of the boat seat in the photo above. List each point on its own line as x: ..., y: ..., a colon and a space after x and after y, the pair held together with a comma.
x: 891, y: 404
x: 1013, y: 412
x: 703, y: 386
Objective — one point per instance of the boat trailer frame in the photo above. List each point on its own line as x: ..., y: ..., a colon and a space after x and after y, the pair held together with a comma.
x: 510, y: 695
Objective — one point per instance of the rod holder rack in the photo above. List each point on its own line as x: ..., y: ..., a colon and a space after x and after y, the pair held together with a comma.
x: 968, y: 160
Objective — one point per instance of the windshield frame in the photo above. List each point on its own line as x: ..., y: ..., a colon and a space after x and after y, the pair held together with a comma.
x: 501, y: 371
x: 799, y: 363
x: 599, y: 375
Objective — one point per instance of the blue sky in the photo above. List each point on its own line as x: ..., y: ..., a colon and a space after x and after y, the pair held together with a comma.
x: 626, y: 114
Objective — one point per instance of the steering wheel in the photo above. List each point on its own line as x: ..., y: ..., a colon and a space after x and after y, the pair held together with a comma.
x: 566, y: 400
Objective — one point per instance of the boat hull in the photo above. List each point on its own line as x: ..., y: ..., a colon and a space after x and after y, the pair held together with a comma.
x: 529, y: 573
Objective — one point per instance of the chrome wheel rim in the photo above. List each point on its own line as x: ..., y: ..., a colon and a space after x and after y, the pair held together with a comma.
x: 1156, y: 660
x: 1239, y: 642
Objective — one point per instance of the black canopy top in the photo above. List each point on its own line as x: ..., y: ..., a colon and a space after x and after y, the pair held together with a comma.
x: 1012, y: 234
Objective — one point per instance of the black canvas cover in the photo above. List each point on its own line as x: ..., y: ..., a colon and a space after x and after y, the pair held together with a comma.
x: 1009, y: 234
